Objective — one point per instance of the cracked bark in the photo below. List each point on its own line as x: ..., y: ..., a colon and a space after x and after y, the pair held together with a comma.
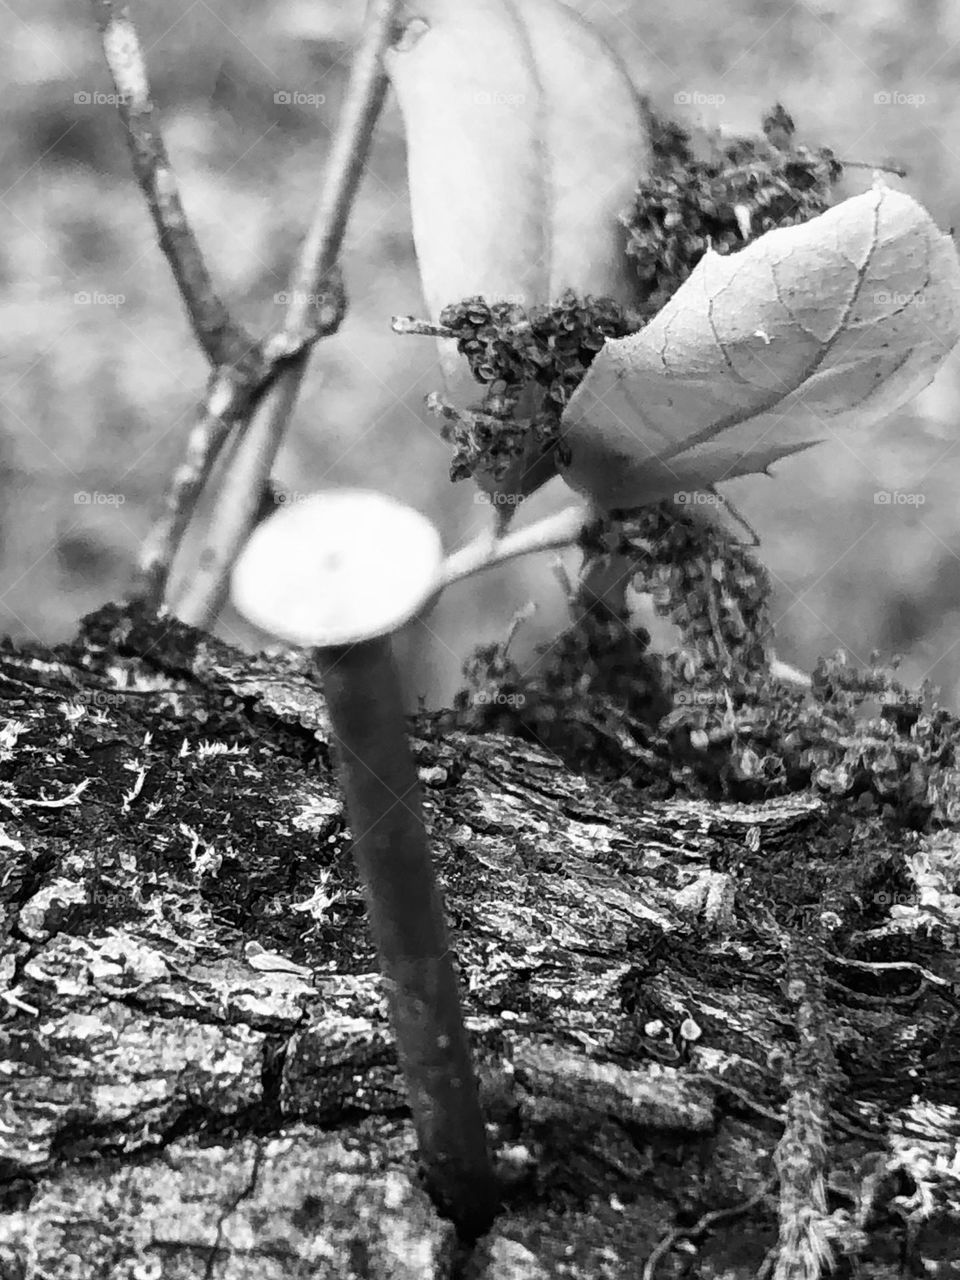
x: 166, y: 1109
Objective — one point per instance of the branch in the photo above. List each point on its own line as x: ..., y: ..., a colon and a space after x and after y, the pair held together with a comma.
x: 562, y: 529
x: 548, y: 534
x: 221, y: 408
x: 239, y: 362
x: 223, y: 341
x: 236, y: 505
x: 422, y: 328
x: 229, y: 399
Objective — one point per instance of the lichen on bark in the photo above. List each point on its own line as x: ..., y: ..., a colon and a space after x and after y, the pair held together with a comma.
x: 652, y: 989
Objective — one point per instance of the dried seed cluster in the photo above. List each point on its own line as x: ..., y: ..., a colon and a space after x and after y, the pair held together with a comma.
x: 707, y: 718
x: 688, y: 202
x: 740, y: 189
x: 509, y: 349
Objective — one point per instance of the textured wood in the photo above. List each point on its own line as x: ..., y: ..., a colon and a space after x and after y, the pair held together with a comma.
x: 653, y: 991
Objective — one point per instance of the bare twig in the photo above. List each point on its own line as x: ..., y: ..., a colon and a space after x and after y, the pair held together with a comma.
x: 229, y: 398
x: 422, y: 328
x: 562, y: 529
x: 704, y: 1224
x: 243, y: 367
x: 877, y: 168
x: 238, y: 360
x: 224, y: 342
x: 225, y: 399
x: 548, y: 534
x: 237, y: 503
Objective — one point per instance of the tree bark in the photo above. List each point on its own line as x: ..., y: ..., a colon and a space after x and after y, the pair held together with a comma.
x: 708, y: 1045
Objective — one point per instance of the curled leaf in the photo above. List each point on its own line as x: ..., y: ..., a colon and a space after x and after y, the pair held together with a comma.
x: 767, y: 351
x: 525, y: 140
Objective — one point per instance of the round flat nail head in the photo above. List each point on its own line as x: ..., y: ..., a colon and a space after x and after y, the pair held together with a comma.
x: 338, y: 567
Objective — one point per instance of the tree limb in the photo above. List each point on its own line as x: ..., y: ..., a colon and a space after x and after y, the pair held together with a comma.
x: 236, y: 504
x: 223, y: 340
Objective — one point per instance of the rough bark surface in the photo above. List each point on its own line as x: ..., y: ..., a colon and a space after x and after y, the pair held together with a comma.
x: 702, y: 1052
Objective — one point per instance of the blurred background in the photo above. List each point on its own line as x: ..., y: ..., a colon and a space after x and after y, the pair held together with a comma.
x: 99, y: 375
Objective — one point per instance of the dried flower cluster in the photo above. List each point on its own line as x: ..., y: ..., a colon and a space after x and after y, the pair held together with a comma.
x: 510, y: 350
x: 708, y: 718
x: 742, y: 188
x: 687, y: 203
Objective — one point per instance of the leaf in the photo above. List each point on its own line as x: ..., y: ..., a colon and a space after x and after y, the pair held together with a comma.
x: 764, y: 352
x: 525, y: 140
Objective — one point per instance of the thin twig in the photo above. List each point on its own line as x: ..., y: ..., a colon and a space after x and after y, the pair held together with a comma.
x: 239, y: 363
x: 224, y: 342
x: 225, y: 399
x: 236, y: 504
x: 881, y: 168
x: 549, y: 534
x: 552, y: 533
x: 704, y: 1224
x: 422, y: 328
x: 228, y: 401
x: 239, y: 498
